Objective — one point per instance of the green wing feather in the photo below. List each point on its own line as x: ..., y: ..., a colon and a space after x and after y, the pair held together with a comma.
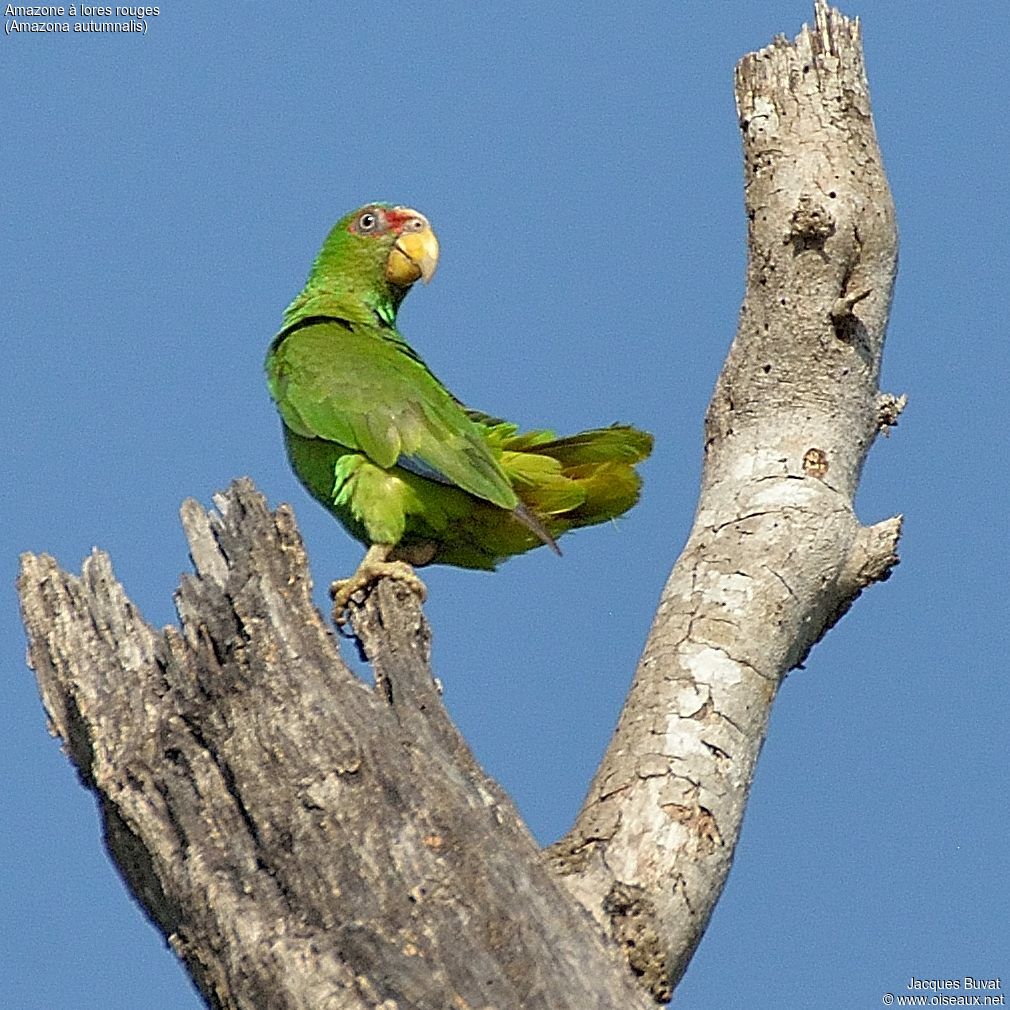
x: 346, y: 383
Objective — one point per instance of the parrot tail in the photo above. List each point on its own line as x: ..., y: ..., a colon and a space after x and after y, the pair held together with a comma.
x: 580, y: 480
x: 561, y: 484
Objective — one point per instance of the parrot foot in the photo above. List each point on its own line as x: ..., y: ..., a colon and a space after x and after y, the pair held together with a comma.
x: 374, y: 566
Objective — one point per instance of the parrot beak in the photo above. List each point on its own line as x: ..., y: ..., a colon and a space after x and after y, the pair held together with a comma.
x: 413, y: 256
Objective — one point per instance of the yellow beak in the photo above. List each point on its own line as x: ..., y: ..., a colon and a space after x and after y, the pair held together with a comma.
x: 413, y: 256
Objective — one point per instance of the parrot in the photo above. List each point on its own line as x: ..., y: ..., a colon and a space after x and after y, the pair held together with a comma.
x: 410, y: 471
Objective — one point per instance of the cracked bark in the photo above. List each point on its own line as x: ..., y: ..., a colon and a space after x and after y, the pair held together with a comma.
x: 776, y: 555
x: 302, y: 839
x: 306, y: 840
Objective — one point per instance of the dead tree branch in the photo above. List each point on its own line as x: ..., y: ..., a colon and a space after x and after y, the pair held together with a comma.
x: 776, y: 554
x: 302, y: 839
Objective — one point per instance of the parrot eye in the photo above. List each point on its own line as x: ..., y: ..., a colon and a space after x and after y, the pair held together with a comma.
x: 367, y: 222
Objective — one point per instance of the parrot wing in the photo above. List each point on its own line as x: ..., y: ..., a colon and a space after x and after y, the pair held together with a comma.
x: 349, y: 383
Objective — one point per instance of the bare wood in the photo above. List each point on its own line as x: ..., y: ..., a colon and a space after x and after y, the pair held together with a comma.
x: 305, y: 840
x: 776, y: 554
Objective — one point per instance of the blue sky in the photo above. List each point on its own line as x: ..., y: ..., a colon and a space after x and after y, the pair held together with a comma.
x: 164, y: 196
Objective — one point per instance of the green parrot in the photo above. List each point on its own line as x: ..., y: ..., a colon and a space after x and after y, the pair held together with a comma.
x: 379, y: 441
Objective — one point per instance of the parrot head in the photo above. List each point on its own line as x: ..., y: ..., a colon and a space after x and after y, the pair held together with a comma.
x: 404, y: 238
x: 372, y: 256
x: 397, y: 241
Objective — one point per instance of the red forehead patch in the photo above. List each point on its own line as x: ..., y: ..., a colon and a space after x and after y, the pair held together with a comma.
x: 397, y: 217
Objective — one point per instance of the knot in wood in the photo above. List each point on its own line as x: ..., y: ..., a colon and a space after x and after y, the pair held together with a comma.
x: 811, y: 225
x: 815, y: 463
x: 636, y: 927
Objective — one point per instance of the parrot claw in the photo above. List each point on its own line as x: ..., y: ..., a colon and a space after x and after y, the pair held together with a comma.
x: 374, y: 566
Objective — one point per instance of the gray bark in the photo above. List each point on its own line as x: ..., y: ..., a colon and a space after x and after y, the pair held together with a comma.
x: 302, y: 839
x: 306, y: 840
x: 776, y: 554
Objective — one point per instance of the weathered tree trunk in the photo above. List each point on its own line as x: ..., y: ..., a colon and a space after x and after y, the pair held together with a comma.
x: 302, y: 839
x: 307, y: 841
x: 776, y: 554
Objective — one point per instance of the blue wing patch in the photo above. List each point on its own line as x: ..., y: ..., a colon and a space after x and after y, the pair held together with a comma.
x: 417, y: 466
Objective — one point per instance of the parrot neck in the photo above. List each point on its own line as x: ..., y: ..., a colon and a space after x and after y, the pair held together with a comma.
x: 353, y: 306
x: 348, y: 281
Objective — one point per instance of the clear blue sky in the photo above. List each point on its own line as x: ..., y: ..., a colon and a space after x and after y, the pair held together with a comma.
x: 164, y: 195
